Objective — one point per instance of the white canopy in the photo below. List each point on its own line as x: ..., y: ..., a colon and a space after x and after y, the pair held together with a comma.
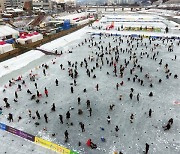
x: 6, y: 31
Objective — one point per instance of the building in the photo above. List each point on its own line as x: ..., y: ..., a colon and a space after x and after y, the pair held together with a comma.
x: 13, y: 3
x: 2, y: 7
x: 121, y: 2
x: 42, y: 4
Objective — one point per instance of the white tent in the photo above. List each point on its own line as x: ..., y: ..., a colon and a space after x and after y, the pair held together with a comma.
x: 5, y: 48
x: 24, y: 40
x: 30, y: 39
x: 8, y: 31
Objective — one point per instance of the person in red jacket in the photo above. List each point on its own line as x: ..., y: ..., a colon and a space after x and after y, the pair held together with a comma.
x: 89, y: 143
x: 46, y: 92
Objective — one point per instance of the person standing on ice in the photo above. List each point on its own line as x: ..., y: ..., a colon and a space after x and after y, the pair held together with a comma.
x: 44, y: 72
x: 138, y: 97
x: 131, y: 118
x: 46, y: 92
x: 117, y: 86
x: 147, y: 148
x: 150, y: 113
x: 88, y: 104
x: 131, y: 95
x: 68, y: 115
x: 46, y: 118
x: 38, y: 95
x: 108, y: 119
x: 10, y: 117
x: 38, y: 115
x: 90, y: 111
x: 82, y: 126
x: 72, y: 90
x: 79, y: 100
x: 7, y: 105
x: 16, y: 95
x: 19, y: 87
x: 166, y: 30
x: 56, y: 82
x: 66, y: 135
x: 97, y: 87
x: 35, y: 84
x: 29, y: 111
x: 53, y: 107
x: 61, y: 118
x: 61, y: 66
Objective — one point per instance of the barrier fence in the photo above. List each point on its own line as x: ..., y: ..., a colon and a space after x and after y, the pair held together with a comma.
x: 37, y: 140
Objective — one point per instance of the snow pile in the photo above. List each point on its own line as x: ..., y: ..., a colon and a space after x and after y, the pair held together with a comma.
x: 19, y: 62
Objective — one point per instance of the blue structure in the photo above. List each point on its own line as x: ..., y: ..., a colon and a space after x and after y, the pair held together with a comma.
x: 66, y: 25
x: 10, y: 41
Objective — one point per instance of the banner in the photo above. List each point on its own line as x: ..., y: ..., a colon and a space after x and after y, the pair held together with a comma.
x: 40, y: 141
x: 26, y: 136
x: 12, y: 130
x: 72, y: 152
x: 20, y: 133
x: 52, y: 146
x: 3, y: 126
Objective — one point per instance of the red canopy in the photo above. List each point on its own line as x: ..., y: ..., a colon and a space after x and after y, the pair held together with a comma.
x: 75, y: 18
x: 2, y: 42
x: 29, y: 35
x: 23, y: 37
x: 35, y: 33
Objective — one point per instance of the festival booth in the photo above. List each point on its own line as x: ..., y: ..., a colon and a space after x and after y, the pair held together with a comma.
x: 26, y: 38
x: 81, y: 22
x: 7, y: 32
x: 66, y: 25
x: 91, y: 18
x: 4, y: 47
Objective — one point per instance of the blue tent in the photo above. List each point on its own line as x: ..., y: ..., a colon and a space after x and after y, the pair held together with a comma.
x: 10, y: 41
x: 66, y: 25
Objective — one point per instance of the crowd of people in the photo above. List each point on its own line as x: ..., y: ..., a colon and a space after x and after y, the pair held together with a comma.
x: 120, y: 61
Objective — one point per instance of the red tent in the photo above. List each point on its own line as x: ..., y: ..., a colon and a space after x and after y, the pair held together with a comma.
x: 35, y: 33
x: 22, y: 36
x: 2, y: 42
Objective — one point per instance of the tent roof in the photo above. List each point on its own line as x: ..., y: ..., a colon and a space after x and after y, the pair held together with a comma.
x: 6, y: 30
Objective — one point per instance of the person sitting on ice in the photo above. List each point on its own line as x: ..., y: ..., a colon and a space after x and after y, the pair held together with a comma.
x: 120, y: 97
x: 19, y: 78
x: 103, y: 139
x: 151, y: 94
x: 33, y: 97
x: 131, y: 118
x: 175, y: 76
x: 169, y: 124
x: 122, y: 83
x: 10, y: 117
x: 15, y: 100
x: 151, y: 85
x: 111, y: 106
x: 53, y: 108
x: 170, y: 121
x: 167, y: 127
x: 160, y: 80
x: 89, y: 143
x: 29, y: 92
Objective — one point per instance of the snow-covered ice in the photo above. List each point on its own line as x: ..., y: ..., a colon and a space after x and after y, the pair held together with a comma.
x: 131, y: 137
